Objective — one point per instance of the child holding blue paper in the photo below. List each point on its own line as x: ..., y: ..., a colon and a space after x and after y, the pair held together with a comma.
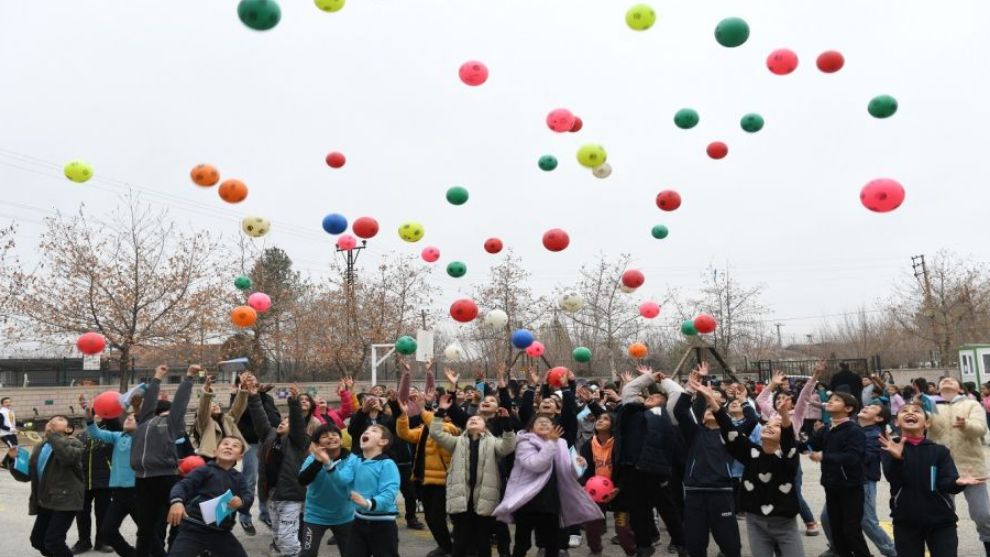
x: 198, y: 532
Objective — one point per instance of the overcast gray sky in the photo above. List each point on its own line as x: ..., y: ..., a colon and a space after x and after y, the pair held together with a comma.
x: 145, y: 90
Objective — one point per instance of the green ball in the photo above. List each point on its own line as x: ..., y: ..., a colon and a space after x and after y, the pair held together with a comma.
x: 731, y: 32
x: 457, y: 195
x: 581, y: 354
x: 456, y: 269
x: 260, y: 15
x: 640, y: 17
x: 751, y: 122
x: 243, y: 282
x: 591, y: 155
x: 687, y: 328
x: 78, y: 171
x: 882, y: 106
x: 686, y: 118
x: 659, y: 232
x: 548, y: 162
x: 405, y: 345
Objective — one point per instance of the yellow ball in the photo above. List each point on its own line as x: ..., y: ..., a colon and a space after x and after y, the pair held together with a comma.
x: 411, y: 231
x: 640, y: 17
x: 329, y: 5
x: 592, y: 155
x: 78, y: 171
x: 255, y: 227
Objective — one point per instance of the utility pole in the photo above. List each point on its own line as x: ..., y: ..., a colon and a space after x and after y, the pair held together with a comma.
x: 780, y: 342
x: 350, y: 258
x: 921, y: 274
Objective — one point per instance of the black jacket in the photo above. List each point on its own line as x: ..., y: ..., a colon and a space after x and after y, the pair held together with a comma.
x: 643, y: 440
x: 917, y: 497
x: 709, y: 464
x: 205, y: 483
x: 843, y: 450
x: 767, y: 487
x: 95, y: 462
x: 61, y: 486
x: 246, y: 426
x: 873, y: 453
x: 848, y: 382
x: 281, y: 463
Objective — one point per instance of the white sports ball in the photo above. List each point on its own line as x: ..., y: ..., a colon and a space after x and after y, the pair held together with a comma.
x: 603, y: 171
x: 496, y: 319
x: 453, y: 352
x: 255, y: 227
x: 571, y: 302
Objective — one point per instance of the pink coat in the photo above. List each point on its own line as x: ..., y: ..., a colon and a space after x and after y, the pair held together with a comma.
x: 531, y: 471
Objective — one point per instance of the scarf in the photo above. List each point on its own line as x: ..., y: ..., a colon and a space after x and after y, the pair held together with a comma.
x: 602, y: 454
x: 912, y: 440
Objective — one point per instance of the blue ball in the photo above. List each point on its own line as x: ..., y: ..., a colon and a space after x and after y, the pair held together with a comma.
x: 334, y: 223
x: 521, y: 338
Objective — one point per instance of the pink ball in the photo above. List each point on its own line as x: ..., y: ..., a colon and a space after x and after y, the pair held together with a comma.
x: 599, y: 488
x: 260, y: 302
x: 107, y: 405
x: 649, y: 310
x: 560, y: 120
x: 346, y: 242
x: 430, y: 254
x: 882, y: 195
x: 782, y: 61
x: 473, y: 73
x: 536, y: 349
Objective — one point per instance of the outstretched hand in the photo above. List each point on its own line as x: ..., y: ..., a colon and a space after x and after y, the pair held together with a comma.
x: 894, y: 448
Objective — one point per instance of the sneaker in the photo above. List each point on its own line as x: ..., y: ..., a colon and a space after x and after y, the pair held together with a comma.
x: 332, y: 540
x: 829, y: 553
x: 811, y: 529
x: 645, y: 551
x: 675, y: 549
x: 414, y: 524
x: 248, y: 528
x: 615, y: 540
x: 82, y: 546
x: 438, y: 552
x: 593, y: 554
x: 656, y: 539
x: 563, y: 553
x: 540, y: 552
x: 266, y: 521
x: 574, y: 540
x: 103, y: 549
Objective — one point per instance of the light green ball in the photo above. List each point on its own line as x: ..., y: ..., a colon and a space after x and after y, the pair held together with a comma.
x: 591, y: 155
x: 640, y: 17
x: 78, y: 171
x: 329, y: 5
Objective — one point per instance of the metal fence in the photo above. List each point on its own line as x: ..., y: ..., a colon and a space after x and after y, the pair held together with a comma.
x: 765, y: 368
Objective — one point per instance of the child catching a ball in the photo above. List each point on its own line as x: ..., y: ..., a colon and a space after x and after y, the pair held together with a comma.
x: 597, y: 480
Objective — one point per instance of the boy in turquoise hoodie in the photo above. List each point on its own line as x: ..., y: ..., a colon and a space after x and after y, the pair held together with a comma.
x: 327, y: 473
x: 122, y: 499
x: 373, y: 491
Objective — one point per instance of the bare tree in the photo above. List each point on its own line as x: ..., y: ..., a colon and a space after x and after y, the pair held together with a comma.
x: 134, y: 278
x: 11, y: 277
x: 738, y: 311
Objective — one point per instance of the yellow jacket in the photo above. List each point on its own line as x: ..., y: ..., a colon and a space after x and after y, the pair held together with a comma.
x: 437, y: 460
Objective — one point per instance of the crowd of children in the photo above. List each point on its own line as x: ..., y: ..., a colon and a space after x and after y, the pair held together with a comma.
x: 702, y: 454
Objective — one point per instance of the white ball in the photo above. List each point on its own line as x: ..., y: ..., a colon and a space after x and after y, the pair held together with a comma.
x: 571, y: 302
x: 496, y: 319
x: 603, y: 171
x: 255, y: 227
x: 627, y: 289
x: 453, y: 352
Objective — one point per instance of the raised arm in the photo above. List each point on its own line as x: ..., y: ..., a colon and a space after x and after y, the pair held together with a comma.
x: 177, y: 415
x: 150, y: 400
x: 297, y: 421
x: 240, y: 405
x: 446, y: 441
x: 203, y: 412
x: 258, y: 418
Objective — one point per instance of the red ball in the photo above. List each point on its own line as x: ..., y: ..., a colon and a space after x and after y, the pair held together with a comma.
x: 107, y: 405
x: 91, y: 343
x: 717, y: 150
x: 599, y: 488
x: 649, y: 310
x: 882, y: 195
x: 578, y: 124
x: 464, y: 310
x: 782, y: 61
x: 536, y: 349
x: 556, y: 239
x: 704, y: 323
x: 633, y: 278
x: 365, y: 227
x: 668, y: 200
x: 190, y: 463
x: 335, y: 159
x: 493, y: 245
x: 830, y: 61
x: 555, y: 377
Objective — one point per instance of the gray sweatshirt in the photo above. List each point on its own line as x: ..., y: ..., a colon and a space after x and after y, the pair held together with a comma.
x: 153, y: 452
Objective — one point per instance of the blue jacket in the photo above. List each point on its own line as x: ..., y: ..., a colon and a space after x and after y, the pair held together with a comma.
x: 377, y: 480
x: 328, y: 490
x: 121, y: 473
x: 873, y: 453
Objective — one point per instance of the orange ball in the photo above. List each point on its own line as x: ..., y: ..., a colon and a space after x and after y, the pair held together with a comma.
x: 205, y: 175
x: 638, y: 350
x: 243, y: 316
x: 233, y: 191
